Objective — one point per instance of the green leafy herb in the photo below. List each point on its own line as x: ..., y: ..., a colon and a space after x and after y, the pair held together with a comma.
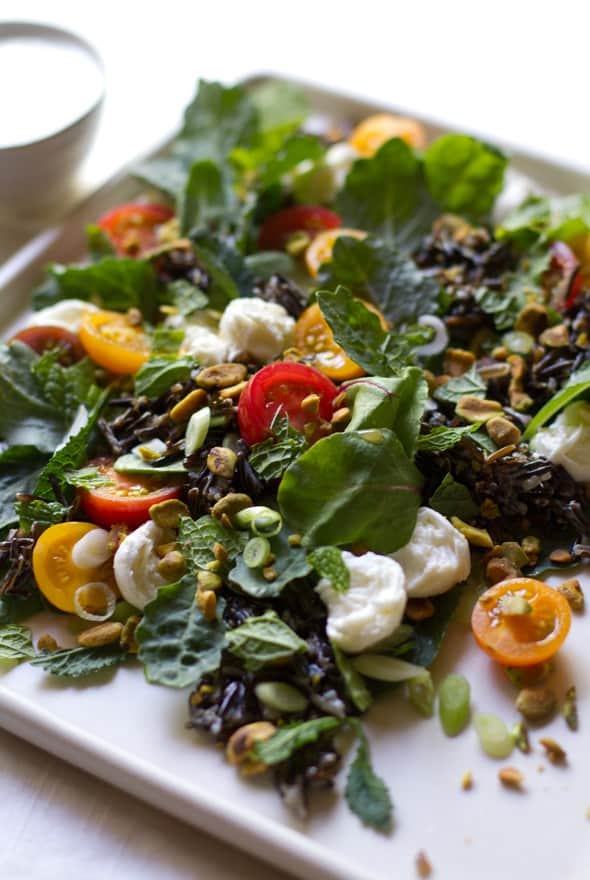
x: 197, y: 537
x: 185, y: 297
x: 99, y: 244
x: 279, y: 105
x: 440, y: 439
x: 80, y: 662
x: 87, y: 478
x: 355, y: 487
x: 371, y: 269
x: 366, y: 794
x: 263, y: 641
x: 577, y: 384
x: 207, y: 197
x: 290, y: 564
x: 292, y: 737
x: 464, y: 175
x: 17, y: 477
x: 15, y: 643
x: 114, y: 283
x: 65, y: 388
x: 356, y: 688
x: 356, y: 329
x: 15, y: 608
x: 42, y: 513
x: 229, y: 277
x: 267, y: 263
x: 454, y: 499
x: 159, y: 374
x: 177, y: 645
x: 469, y: 383
x: 504, y: 305
x: 429, y: 634
x: 166, y: 341
x: 386, y: 196
x: 271, y: 458
x: 552, y: 219
x: 296, y: 149
x: 328, y: 563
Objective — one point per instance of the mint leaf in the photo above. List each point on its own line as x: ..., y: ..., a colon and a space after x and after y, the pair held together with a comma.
x: 290, y: 563
x: 65, y: 388
x: 158, y: 375
x: 453, y: 390
x: 16, y: 643
x: 80, y: 662
x: 357, y: 690
x: 292, y: 737
x: 355, y: 487
x: 453, y: 499
x: 265, y: 640
x: 228, y: 274
x: 356, y: 329
x: 441, y: 439
x: 386, y: 196
x: 520, y: 286
x: 177, y: 645
x: 42, y: 513
x: 329, y: 564
x: 207, y: 197
x: 197, y: 537
x: 271, y: 458
x: 373, y: 270
x: 366, y: 794
x: 185, y: 297
x: 464, y: 175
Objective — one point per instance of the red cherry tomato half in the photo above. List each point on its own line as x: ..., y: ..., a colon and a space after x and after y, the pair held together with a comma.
x: 278, y: 228
x: 561, y: 276
x: 282, y: 387
x: 132, y: 227
x: 46, y: 337
x: 126, y: 501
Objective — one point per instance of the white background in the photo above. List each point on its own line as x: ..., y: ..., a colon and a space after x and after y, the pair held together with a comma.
x: 515, y: 71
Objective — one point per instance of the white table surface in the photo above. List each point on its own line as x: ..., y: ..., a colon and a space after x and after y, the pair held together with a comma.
x: 514, y: 71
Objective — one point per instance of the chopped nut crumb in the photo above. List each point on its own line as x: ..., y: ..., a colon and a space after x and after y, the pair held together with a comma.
x: 572, y: 591
x: 419, y: 609
x: 269, y: 574
x: 423, y: 866
x: 555, y: 753
x: 47, y: 643
x: 295, y: 540
x: 561, y: 556
x: 467, y: 781
x: 511, y: 777
x: 570, y: 708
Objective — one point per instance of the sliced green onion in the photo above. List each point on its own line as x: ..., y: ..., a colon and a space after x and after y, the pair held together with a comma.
x: 454, y: 696
x: 420, y: 693
x: 196, y: 430
x: 494, y: 736
x: 518, y: 342
x: 384, y: 668
x: 257, y: 552
x: 280, y: 696
x: 261, y: 520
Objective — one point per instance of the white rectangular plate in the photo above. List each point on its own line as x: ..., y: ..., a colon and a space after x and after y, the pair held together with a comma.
x: 134, y: 736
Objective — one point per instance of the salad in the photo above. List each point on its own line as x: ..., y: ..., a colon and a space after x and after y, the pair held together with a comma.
x: 298, y: 402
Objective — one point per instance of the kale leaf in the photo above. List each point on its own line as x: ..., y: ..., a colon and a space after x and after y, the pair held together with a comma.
x: 16, y: 643
x: 80, y: 662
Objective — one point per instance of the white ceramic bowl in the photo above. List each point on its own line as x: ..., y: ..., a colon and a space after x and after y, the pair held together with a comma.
x: 37, y: 174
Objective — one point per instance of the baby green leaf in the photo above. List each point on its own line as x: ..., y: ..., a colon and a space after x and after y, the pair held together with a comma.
x: 290, y: 563
x: 367, y: 794
x: 464, y: 175
x: 440, y: 439
x: 469, y: 383
x: 158, y: 374
x: 197, y: 537
x: 453, y: 499
x: 265, y: 640
x: 292, y: 737
x: 328, y: 563
x: 15, y: 643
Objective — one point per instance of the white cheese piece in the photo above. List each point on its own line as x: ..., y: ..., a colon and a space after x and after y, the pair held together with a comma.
x: 136, y: 564
x: 340, y: 158
x: 261, y: 329
x: 372, y: 607
x: 204, y: 345
x: 567, y: 441
x: 435, y: 558
x: 92, y: 550
x: 67, y: 314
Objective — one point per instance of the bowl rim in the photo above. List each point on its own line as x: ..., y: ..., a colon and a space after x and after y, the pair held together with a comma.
x: 17, y: 27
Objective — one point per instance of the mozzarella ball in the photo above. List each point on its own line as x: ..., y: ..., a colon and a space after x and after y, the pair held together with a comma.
x: 372, y: 607
x: 204, y: 345
x: 136, y: 564
x: 67, y: 314
x: 567, y: 441
x: 261, y: 329
x: 435, y: 558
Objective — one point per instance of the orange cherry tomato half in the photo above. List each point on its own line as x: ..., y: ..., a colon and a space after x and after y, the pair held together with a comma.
x: 523, y: 639
x: 133, y: 227
x: 320, y: 249
x: 56, y: 575
x: 126, y: 501
x: 315, y: 340
x: 281, y: 387
x: 113, y: 342
x: 48, y: 336
x: 278, y: 228
x: 374, y: 131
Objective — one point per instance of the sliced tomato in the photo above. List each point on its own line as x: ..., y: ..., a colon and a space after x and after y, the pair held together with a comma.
x: 133, y: 227
x: 126, y: 500
x: 374, y: 131
x: 521, y: 639
x: 314, y: 339
x: 113, y: 342
x: 560, y: 278
x: 46, y: 337
x: 281, y: 387
x: 280, y: 227
x: 320, y: 249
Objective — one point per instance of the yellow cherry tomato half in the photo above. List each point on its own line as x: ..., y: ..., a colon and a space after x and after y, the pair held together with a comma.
x: 113, y: 342
x: 521, y: 621
x: 320, y: 249
x: 56, y: 575
x: 315, y: 340
x: 374, y: 131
